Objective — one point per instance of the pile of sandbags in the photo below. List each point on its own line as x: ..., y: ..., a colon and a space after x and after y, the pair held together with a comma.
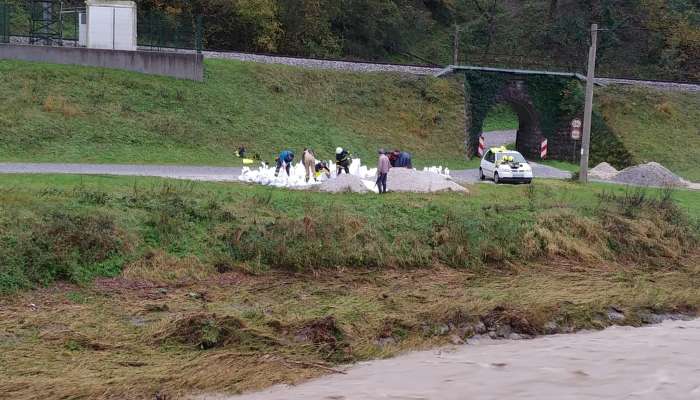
x: 265, y: 175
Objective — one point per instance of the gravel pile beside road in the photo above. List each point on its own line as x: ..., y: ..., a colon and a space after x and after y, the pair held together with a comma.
x: 603, y: 171
x: 344, y: 184
x: 409, y: 180
x: 650, y: 174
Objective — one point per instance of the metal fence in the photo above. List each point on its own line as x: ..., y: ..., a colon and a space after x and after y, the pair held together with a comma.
x: 48, y: 22
x: 158, y: 30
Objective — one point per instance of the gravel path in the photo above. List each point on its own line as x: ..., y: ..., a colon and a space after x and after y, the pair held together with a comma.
x: 409, y: 69
x: 323, y: 64
x: 683, y: 87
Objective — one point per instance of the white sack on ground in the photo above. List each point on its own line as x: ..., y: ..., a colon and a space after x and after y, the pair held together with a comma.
x: 265, y: 175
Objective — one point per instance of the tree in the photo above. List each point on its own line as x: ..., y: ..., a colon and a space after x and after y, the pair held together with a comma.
x: 307, y: 28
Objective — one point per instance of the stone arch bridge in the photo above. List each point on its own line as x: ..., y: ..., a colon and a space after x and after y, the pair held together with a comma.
x: 545, y: 103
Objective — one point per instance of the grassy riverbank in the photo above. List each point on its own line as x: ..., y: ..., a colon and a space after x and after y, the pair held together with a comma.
x: 123, y: 287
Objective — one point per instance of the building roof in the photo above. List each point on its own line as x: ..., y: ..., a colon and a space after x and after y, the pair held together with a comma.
x: 111, y: 3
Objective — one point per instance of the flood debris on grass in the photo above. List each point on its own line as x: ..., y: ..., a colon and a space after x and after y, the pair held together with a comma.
x: 327, y: 337
x: 207, y: 331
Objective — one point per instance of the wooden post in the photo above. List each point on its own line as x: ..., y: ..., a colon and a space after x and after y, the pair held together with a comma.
x: 455, y: 46
x: 588, y: 112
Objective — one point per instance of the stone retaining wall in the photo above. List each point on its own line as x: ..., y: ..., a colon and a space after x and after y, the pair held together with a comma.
x: 178, y: 65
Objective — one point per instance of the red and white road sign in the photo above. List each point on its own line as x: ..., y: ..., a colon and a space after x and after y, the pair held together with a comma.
x: 576, y: 129
x: 543, y: 149
x: 482, y: 146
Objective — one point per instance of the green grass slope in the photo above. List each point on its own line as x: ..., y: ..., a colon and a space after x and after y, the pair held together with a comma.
x: 53, y: 113
x: 656, y: 126
x: 501, y: 118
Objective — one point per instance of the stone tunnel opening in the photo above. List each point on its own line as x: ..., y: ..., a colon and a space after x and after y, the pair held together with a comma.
x: 513, y: 124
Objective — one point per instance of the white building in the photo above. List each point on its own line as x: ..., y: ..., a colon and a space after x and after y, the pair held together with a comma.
x: 109, y: 25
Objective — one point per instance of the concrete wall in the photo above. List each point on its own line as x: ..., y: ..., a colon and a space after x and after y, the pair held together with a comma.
x: 184, y: 66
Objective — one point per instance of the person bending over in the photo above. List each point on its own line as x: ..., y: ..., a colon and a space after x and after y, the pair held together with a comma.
x: 284, y: 160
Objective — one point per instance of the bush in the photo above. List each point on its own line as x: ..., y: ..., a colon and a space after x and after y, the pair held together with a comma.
x: 62, y: 246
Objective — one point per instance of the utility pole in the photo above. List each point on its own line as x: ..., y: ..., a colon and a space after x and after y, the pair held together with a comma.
x: 588, y: 112
x: 455, y: 46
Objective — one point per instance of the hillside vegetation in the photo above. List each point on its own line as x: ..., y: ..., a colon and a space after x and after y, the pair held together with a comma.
x: 656, y: 126
x: 74, y: 114
x: 652, y: 38
x: 649, y: 38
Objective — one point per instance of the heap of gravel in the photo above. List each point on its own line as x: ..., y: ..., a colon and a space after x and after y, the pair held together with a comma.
x: 603, y: 171
x: 650, y: 174
x: 343, y: 184
x: 409, y: 180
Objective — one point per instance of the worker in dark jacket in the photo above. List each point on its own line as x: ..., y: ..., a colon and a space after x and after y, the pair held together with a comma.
x: 401, y: 159
x: 393, y: 156
x: 284, y: 160
x: 342, y: 161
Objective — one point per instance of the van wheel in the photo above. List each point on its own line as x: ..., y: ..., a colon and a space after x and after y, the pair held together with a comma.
x: 482, y: 177
x: 495, y: 178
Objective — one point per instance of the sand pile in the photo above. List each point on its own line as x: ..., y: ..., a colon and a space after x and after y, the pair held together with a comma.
x: 651, y: 174
x: 347, y: 184
x: 603, y: 171
x: 409, y: 180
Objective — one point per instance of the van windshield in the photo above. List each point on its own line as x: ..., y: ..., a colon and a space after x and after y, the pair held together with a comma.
x: 517, y: 157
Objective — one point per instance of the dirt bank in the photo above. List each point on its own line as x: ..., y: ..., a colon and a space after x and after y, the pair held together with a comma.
x: 234, y: 332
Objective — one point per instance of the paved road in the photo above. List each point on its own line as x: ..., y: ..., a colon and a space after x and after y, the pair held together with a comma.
x: 500, y: 138
x: 211, y: 174
x: 650, y: 363
x: 539, y: 170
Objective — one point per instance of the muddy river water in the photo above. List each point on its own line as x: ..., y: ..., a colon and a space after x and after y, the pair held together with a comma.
x: 655, y: 362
